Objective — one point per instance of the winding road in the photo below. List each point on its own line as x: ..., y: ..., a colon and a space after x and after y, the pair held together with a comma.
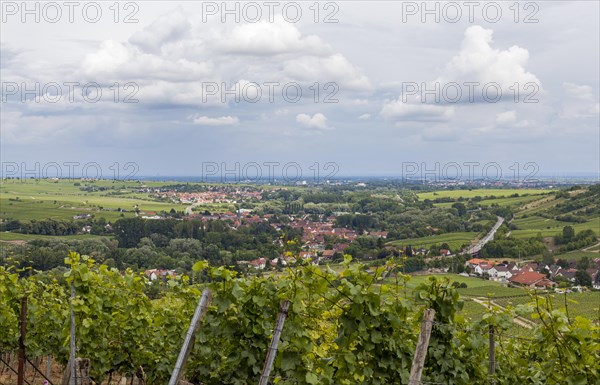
x: 489, y: 236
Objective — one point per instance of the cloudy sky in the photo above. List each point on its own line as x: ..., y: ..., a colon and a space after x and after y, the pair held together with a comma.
x: 366, y: 85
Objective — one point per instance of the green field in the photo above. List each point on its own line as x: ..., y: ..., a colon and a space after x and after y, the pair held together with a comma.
x: 480, y: 192
x: 577, y: 255
x: 454, y: 240
x: 491, y: 290
x: 579, y: 304
x: 471, y: 282
x: 505, y: 202
x: 595, y: 248
x: 45, y: 199
x: 8, y: 236
x: 546, y: 231
x: 537, y: 222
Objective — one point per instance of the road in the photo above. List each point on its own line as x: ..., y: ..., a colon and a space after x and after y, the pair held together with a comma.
x: 490, y: 236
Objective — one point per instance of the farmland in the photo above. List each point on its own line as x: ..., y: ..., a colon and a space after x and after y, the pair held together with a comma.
x: 532, y: 226
x: 502, y: 201
x: 46, y: 199
x: 481, y: 193
x: 454, y: 240
x: 578, y: 304
x: 10, y: 236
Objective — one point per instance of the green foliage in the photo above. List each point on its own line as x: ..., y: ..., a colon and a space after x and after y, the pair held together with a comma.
x: 348, y: 327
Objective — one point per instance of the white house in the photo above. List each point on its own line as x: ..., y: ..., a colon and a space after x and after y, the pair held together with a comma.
x: 259, y: 263
x: 482, y: 268
x: 500, y: 273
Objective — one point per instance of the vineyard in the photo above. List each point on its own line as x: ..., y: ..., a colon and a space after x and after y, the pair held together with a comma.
x: 349, y: 327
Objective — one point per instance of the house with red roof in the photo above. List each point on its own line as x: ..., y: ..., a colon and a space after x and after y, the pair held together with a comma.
x: 531, y: 279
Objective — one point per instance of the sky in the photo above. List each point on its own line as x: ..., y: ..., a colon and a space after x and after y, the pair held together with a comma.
x: 159, y: 88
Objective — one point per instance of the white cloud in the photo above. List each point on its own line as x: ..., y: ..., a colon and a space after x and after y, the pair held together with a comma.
x: 506, y: 117
x: 170, y: 27
x: 122, y: 61
x: 266, y: 38
x: 401, y: 111
x: 221, y: 121
x: 580, y: 102
x: 171, y: 54
x: 170, y: 50
x: 318, y: 121
x: 334, y: 68
x: 578, y: 92
x: 478, y: 61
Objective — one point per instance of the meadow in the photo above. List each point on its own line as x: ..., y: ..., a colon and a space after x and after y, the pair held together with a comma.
x: 504, y: 201
x: 577, y: 255
x: 480, y: 192
x: 575, y: 304
x: 9, y: 236
x: 550, y: 231
x: 46, y: 199
x: 454, y: 240
x: 578, y: 304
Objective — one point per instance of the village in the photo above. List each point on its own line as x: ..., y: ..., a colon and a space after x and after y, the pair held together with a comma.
x: 323, y: 242
x: 532, y: 274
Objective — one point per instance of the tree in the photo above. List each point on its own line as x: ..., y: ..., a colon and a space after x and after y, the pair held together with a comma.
x: 583, y: 264
x: 547, y: 258
x: 583, y: 278
x: 568, y: 233
x: 460, y: 208
x: 129, y: 231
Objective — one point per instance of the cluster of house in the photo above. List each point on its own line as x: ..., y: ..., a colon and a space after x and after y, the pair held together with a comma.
x: 82, y: 216
x: 314, y: 241
x: 154, y: 274
x: 533, y: 275
x: 213, y: 196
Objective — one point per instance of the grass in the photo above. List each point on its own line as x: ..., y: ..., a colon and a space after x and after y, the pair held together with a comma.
x: 536, y: 222
x: 491, y: 290
x: 595, y: 248
x: 472, y: 311
x: 454, y: 240
x: 504, y: 202
x: 416, y: 280
x: 7, y: 236
x: 480, y: 192
x: 577, y: 255
x: 577, y: 304
x: 45, y: 199
x: 545, y: 231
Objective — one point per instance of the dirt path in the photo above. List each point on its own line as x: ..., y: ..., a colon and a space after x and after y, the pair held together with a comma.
x: 190, y: 209
x: 517, y: 320
x: 591, y: 247
x: 15, y: 242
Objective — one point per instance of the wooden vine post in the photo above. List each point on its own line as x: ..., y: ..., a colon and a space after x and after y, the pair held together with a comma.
x: 421, y: 351
x: 266, y: 372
